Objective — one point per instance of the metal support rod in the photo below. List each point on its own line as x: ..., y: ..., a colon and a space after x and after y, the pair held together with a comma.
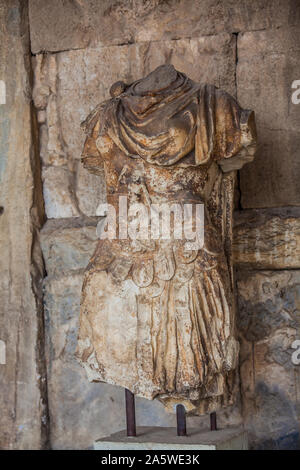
x: 213, y: 421
x: 181, y: 420
x: 130, y: 413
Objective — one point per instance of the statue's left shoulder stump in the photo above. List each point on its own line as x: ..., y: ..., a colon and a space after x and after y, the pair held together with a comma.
x: 156, y: 438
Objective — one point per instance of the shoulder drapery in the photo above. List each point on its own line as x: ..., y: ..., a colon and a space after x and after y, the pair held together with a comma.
x: 140, y: 121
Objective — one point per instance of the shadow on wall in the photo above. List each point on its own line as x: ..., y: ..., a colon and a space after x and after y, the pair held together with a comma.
x: 273, y: 415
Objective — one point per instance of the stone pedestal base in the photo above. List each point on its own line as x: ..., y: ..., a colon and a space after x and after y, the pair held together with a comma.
x: 156, y: 438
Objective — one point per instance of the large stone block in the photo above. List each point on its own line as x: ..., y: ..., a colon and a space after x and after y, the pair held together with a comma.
x: 268, y: 323
x: 58, y: 25
x: 23, y: 398
x: 268, y: 63
x: 68, y: 85
x: 157, y: 438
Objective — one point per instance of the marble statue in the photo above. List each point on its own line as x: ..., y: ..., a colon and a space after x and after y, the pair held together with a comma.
x: 158, y: 316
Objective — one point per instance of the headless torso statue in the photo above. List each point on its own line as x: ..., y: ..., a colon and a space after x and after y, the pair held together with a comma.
x: 158, y: 318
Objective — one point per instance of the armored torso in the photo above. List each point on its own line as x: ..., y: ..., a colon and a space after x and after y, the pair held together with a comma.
x: 158, y: 317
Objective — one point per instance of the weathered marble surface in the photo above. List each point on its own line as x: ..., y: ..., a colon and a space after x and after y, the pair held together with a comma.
x: 67, y: 245
x: 23, y: 398
x: 268, y: 323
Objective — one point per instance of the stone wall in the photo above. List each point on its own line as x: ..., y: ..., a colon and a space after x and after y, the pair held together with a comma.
x: 250, y: 49
x: 266, y: 250
x: 23, y: 397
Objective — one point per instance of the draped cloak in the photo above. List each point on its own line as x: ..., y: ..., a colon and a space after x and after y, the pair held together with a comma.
x: 154, y: 318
